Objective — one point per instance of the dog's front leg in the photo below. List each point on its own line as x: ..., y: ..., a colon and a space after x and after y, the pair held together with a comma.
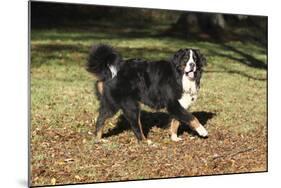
x: 180, y: 114
x: 197, y: 127
x: 174, y: 126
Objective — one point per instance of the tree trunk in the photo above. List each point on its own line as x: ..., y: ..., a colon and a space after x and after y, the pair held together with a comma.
x: 199, y: 23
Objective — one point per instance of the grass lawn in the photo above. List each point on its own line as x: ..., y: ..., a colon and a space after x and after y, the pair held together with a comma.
x: 232, y: 104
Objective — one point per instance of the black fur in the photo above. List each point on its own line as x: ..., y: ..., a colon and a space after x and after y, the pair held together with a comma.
x: 101, y: 56
x: 157, y: 84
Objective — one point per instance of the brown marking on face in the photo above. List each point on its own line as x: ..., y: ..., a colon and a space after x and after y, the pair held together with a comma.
x: 194, y: 123
x: 174, y: 125
x: 140, y: 126
x: 182, y: 67
x: 100, y: 87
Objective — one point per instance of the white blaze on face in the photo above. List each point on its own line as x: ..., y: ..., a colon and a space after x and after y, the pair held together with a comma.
x: 188, y: 70
x: 190, y: 61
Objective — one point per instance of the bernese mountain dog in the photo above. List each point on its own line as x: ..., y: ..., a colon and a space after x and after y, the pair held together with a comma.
x: 124, y: 84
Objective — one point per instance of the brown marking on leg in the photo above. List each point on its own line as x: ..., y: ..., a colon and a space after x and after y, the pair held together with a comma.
x: 144, y: 139
x: 194, y: 123
x: 100, y: 87
x: 174, y: 125
x: 99, y: 137
x: 140, y: 126
x: 100, y: 131
x: 99, y: 134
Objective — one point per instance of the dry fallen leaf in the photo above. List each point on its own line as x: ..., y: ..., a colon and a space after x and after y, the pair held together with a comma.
x: 53, y: 181
x: 61, y: 163
x: 68, y: 160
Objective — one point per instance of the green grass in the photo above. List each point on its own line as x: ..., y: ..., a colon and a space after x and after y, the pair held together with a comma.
x: 64, y: 108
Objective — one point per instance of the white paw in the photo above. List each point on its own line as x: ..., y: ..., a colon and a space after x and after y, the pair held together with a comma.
x: 175, y: 138
x: 202, y: 131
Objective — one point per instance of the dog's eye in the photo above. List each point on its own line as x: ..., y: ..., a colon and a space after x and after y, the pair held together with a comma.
x: 185, y: 59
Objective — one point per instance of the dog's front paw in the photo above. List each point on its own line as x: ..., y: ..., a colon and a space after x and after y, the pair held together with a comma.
x: 175, y: 138
x: 202, y: 131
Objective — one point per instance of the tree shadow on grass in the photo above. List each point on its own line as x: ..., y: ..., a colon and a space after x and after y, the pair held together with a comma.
x: 237, y: 73
x: 148, y: 120
x: 98, y: 31
x: 239, y: 56
x: 49, y: 48
x: 49, y: 52
x: 246, y: 59
x: 157, y: 119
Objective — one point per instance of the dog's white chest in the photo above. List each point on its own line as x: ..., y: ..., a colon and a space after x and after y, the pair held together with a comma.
x: 190, y: 93
x: 187, y: 100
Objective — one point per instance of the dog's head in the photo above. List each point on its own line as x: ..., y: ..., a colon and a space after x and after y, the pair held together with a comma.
x: 189, y: 62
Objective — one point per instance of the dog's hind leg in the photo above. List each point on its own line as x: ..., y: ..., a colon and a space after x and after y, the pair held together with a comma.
x: 132, y: 113
x: 104, y: 114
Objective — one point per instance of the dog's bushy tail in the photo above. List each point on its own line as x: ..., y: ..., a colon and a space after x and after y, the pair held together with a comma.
x: 103, y: 62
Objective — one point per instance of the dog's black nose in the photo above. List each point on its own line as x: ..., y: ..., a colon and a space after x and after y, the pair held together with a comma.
x: 192, y: 65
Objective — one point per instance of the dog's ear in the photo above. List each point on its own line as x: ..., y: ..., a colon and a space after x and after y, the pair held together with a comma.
x: 201, y: 57
x: 177, y: 57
